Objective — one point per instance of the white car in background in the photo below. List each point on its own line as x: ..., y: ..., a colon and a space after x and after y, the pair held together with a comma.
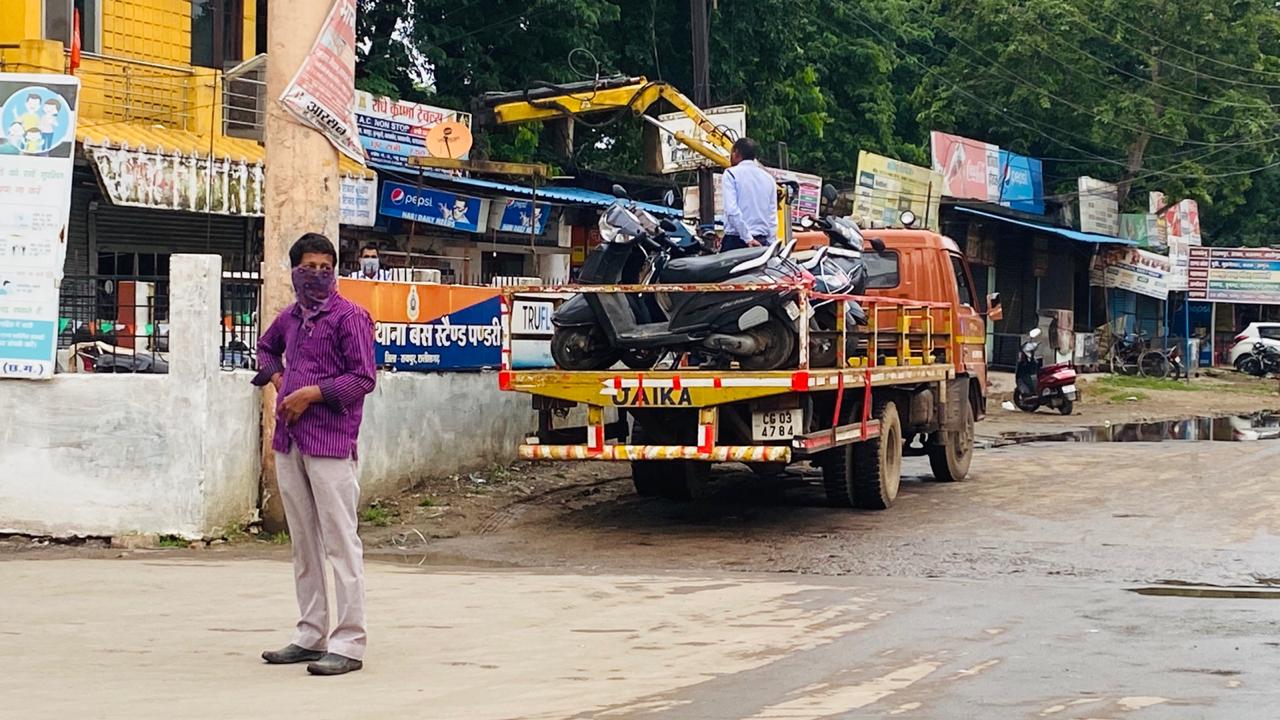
x: 1267, y: 332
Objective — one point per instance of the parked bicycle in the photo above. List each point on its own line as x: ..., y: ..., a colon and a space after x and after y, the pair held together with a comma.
x: 1131, y: 354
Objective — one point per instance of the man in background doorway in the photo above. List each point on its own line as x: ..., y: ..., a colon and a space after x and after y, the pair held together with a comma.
x: 371, y: 265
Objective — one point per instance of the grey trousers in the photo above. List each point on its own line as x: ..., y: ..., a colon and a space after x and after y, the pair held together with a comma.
x: 320, y: 498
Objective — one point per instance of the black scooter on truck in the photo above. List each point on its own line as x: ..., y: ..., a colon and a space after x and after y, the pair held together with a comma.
x: 756, y: 329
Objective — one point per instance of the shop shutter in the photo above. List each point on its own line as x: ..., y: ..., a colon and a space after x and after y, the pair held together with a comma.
x: 128, y: 229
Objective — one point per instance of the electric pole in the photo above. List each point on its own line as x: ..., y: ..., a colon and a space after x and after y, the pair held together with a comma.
x: 702, y: 98
x: 301, y: 196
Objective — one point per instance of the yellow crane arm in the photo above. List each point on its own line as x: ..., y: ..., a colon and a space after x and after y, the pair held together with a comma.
x: 637, y: 94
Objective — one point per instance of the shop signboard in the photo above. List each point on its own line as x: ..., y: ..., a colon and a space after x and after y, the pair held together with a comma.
x: 976, y: 170
x: 38, y: 118
x: 359, y: 204
x: 675, y: 156
x: 1182, y: 232
x: 392, y: 131
x: 428, y: 327
x: 808, y: 197
x: 1021, y: 183
x: 434, y: 207
x: 887, y: 187
x: 1128, y: 268
x: 1142, y: 228
x: 322, y: 92
x: 139, y: 177
x: 1099, y: 206
x: 970, y: 168
x: 520, y: 216
x: 1245, y: 275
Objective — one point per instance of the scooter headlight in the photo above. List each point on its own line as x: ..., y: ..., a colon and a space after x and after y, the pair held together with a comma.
x: 608, y: 232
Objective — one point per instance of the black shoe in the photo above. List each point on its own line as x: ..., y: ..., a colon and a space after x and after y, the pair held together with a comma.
x: 334, y: 664
x: 291, y: 654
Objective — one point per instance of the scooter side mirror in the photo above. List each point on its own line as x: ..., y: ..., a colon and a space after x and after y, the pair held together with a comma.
x: 877, y: 244
x: 668, y: 225
x: 669, y: 198
x: 829, y: 193
x: 620, y: 192
x: 1035, y: 333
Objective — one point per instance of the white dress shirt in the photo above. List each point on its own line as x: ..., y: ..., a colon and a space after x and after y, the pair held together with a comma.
x: 750, y: 202
x: 383, y: 275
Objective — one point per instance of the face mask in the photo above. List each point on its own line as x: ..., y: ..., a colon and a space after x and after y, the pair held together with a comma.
x: 313, y: 287
x: 369, y: 266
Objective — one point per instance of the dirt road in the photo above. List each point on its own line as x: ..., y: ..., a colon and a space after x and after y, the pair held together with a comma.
x: 1077, y: 581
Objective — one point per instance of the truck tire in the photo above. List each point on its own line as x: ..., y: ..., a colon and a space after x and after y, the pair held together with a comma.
x: 670, y: 479
x: 867, y: 475
x: 950, y: 460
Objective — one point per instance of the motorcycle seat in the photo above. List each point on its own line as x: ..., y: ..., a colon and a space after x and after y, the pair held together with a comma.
x: 708, y: 268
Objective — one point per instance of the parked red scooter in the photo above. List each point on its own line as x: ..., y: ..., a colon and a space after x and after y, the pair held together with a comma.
x: 1036, y: 385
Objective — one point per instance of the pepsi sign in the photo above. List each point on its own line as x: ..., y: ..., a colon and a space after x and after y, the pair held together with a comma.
x: 434, y: 207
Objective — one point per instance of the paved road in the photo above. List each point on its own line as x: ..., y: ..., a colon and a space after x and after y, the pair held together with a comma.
x: 1005, y: 597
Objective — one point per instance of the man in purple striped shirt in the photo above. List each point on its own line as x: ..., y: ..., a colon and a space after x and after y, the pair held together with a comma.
x: 319, y: 356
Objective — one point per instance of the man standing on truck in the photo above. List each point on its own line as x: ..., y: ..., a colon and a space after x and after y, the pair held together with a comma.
x: 750, y: 200
x: 319, y: 356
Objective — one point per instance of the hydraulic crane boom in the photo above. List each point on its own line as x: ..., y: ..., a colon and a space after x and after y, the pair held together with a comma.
x: 549, y: 101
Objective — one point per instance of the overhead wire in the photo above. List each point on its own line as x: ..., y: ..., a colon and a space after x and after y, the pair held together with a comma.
x: 1010, y: 116
x: 1170, y: 63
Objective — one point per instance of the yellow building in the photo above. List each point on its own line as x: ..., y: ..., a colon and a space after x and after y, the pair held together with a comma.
x: 178, y: 86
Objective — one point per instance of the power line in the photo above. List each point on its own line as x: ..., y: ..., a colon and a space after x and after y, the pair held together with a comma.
x: 1078, y: 108
x: 1009, y: 115
x: 1165, y: 88
x: 1099, y: 79
x: 1175, y: 46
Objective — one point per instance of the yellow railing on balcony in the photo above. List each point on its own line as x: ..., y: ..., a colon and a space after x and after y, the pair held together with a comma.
x: 117, y: 89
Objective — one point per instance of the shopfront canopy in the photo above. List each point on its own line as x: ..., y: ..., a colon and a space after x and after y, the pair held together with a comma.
x: 1067, y: 233
x: 550, y: 193
x: 168, y: 141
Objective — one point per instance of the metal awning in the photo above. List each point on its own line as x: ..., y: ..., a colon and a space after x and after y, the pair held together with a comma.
x: 1067, y: 233
x: 549, y: 193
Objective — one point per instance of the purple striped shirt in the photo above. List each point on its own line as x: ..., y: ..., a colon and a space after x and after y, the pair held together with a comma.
x: 337, y: 355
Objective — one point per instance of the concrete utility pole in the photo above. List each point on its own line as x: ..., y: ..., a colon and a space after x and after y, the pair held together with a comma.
x: 702, y: 98
x: 301, y: 196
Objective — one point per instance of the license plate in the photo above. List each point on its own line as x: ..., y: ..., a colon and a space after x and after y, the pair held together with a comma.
x: 774, y: 424
x: 1069, y: 390
x: 793, y: 311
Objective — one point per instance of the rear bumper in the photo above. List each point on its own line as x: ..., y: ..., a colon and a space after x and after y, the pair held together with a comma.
x: 626, y: 453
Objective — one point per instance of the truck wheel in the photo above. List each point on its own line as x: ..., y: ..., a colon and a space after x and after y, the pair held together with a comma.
x: 950, y: 461
x: 867, y: 474
x: 670, y: 479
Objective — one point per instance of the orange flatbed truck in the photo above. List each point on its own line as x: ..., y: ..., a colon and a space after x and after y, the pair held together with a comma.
x: 913, y: 381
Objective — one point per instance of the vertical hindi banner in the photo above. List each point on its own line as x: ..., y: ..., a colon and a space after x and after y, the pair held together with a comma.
x: 38, y: 117
x: 323, y: 92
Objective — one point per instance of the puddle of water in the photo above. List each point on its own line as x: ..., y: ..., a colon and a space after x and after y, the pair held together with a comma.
x: 1243, y: 428
x: 1207, y: 591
